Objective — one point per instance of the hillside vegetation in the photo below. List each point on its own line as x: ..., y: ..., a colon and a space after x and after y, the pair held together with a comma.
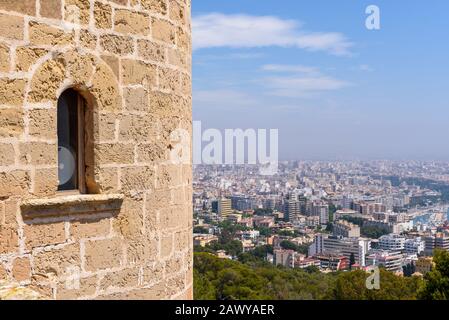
x: 226, y: 279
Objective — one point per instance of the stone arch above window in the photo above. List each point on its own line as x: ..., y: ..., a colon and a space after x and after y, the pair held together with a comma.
x: 94, y: 80
x: 85, y: 72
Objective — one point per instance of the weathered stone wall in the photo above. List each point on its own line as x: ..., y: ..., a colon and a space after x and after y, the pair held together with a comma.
x: 131, y: 60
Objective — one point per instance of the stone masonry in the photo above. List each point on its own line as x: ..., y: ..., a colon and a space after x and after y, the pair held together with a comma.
x: 129, y: 237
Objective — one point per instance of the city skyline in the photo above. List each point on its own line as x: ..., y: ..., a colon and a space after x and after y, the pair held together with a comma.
x: 326, y: 216
x: 334, y: 89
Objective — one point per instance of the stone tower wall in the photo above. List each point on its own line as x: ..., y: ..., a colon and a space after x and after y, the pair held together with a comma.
x: 130, y: 236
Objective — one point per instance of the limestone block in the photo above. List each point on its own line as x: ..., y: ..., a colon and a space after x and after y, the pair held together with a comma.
x: 61, y: 261
x: 4, y: 58
x: 87, y: 39
x: 166, y: 246
x: 105, y: 89
x: 27, y: 7
x: 90, y: 228
x: 153, y: 271
x: 155, y: 6
x: 138, y: 128
x: 120, y: 45
x: 103, y: 16
x: 43, y: 123
x: 45, y: 182
x: 155, y: 292
x: 142, y: 249
x: 3, y: 272
x: 169, y: 79
x: 51, y: 9
x: 43, y: 34
x: 37, y: 235
x: 27, y: 57
x: 121, y: 2
x: 163, y: 30
x: 178, y: 58
x: 108, y: 179
x: 138, y: 72
x: 21, y: 269
x: 13, y: 291
x: 151, y: 152
x: 82, y: 287
x: 177, y: 12
x: 137, y: 178
x: 120, y: 279
x: 80, y: 67
x: 174, y: 265
x: 115, y: 153
x: 136, y: 99
x: 129, y: 22
x: 149, y: 50
x: 77, y: 11
x: 38, y: 153
x: 113, y: 63
x: 182, y: 239
x: 184, y: 41
x: 12, y: 91
x: 176, y: 284
x: 47, y: 80
x: 12, y: 27
x: 14, y: 183
x: 103, y: 254
x: 6, y: 154
x: 105, y: 130
x: 9, y: 240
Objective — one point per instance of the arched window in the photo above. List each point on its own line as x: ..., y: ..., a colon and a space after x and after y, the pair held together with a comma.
x: 71, y: 168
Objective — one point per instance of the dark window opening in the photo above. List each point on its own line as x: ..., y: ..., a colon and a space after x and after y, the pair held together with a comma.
x: 71, y: 142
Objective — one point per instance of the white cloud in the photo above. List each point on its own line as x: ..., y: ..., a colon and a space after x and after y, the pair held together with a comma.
x: 246, y: 55
x: 290, y: 68
x: 245, y: 31
x: 230, y: 56
x: 296, y: 86
x: 223, y: 98
x: 366, y: 68
x: 304, y: 81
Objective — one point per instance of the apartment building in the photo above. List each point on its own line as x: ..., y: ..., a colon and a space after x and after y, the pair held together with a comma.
x: 414, y: 245
x: 346, y: 229
x: 392, y: 242
x: 285, y: 258
x: 338, y: 245
x: 437, y: 241
x: 224, y: 207
x: 390, y: 260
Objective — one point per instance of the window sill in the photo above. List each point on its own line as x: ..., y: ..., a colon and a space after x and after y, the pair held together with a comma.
x: 71, y: 204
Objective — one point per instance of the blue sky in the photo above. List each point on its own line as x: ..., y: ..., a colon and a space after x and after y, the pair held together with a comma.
x: 334, y: 89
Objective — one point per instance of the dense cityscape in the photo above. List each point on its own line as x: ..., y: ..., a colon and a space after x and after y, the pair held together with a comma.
x: 325, y: 216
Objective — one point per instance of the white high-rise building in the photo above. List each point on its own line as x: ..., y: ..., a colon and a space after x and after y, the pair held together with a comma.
x: 390, y: 260
x: 415, y: 245
x: 325, y: 244
x: 392, y: 242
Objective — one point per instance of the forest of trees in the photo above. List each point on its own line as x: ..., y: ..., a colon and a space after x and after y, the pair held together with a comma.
x: 437, y: 280
x: 224, y: 279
